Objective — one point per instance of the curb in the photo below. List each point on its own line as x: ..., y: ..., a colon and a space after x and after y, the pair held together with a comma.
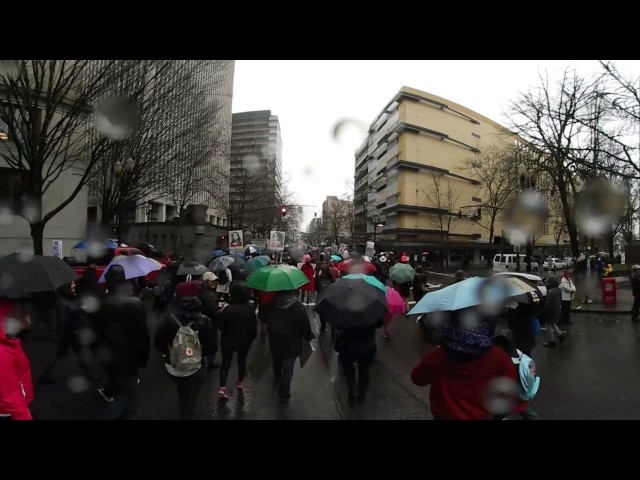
x: 586, y: 310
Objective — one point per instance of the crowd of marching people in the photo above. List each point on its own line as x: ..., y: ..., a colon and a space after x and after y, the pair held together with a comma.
x: 240, y: 298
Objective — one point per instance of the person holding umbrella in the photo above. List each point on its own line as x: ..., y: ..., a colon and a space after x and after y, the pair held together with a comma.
x: 355, y: 307
x: 463, y: 370
x: 16, y: 387
x: 123, y: 343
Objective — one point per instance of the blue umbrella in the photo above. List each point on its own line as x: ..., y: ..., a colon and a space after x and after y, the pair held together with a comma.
x: 217, y: 253
x: 83, y: 245
x: 468, y: 293
x: 367, y: 278
x: 256, y: 263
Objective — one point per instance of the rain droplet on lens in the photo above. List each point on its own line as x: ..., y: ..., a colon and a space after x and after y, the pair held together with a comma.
x: 6, y: 280
x: 116, y: 118
x: 30, y: 209
x: 12, y: 326
x: 96, y: 248
x: 308, y: 171
x: 251, y: 163
x: 78, y: 384
x: 25, y: 256
x: 469, y: 319
x: 525, y: 216
x: 89, y: 303
x: 437, y: 319
x: 501, y: 395
x: 349, y: 132
x: 6, y: 215
x: 86, y: 336
x: 9, y: 68
x: 493, y: 295
x: 599, y: 207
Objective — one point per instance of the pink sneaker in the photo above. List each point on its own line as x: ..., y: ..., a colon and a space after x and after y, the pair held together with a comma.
x: 222, y: 391
x: 240, y: 384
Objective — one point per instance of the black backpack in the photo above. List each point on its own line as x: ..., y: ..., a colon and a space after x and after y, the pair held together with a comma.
x: 222, y: 277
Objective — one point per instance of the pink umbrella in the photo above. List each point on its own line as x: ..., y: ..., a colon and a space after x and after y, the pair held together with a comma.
x: 395, y: 303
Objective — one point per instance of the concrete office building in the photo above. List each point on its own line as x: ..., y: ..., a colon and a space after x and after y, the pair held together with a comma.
x: 419, y: 139
x: 256, y: 170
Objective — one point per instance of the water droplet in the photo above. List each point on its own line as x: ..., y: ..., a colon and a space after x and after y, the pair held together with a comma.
x: 251, y: 163
x: 25, y: 256
x: 6, y: 215
x: 525, y: 216
x: 349, y: 132
x: 599, y: 207
x: 86, y: 336
x: 6, y: 280
x: 469, y: 319
x: 9, y: 68
x: 501, y: 395
x: 12, y: 326
x: 308, y: 171
x: 493, y: 295
x: 30, y: 209
x: 438, y: 319
x: 89, y: 303
x: 116, y: 118
x: 78, y: 384
x: 96, y: 248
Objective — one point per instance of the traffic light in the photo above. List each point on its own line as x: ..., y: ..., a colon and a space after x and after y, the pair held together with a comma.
x: 283, y: 210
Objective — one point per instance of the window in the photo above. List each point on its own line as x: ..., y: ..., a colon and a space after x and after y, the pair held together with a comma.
x: 475, y: 135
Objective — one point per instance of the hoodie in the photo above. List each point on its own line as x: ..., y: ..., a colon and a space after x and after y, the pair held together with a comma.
x: 16, y: 387
x: 288, y: 324
x: 458, y: 388
x: 552, y: 302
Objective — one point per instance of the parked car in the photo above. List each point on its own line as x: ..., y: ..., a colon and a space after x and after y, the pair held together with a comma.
x: 550, y: 263
x: 149, y: 250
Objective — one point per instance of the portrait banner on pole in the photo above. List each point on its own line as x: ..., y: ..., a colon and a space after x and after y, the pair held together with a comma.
x: 276, y: 241
x: 235, y: 240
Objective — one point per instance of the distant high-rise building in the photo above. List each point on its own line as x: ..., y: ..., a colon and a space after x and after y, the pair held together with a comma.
x: 256, y: 171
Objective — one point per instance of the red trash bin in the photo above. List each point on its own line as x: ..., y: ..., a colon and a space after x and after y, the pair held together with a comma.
x: 609, y: 291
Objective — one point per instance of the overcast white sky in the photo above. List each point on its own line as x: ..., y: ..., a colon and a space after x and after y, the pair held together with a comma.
x: 310, y: 97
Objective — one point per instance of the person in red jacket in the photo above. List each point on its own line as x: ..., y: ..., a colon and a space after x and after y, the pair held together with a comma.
x: 462, y: 371
x: 16, y: 387
x: 307, y: 288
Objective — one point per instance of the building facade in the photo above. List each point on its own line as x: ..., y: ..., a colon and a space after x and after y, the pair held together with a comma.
x: 256, y: 171
x: 337, y: 220
x: 412, y: 178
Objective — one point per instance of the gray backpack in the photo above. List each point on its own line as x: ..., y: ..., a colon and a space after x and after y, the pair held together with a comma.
x: 186, y: 352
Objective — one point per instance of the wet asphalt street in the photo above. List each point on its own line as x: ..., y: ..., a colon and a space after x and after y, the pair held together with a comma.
x: 593, y: 375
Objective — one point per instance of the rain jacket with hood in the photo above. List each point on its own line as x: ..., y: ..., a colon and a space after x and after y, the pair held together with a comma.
x: 16, y: 387
x: 288, y: 325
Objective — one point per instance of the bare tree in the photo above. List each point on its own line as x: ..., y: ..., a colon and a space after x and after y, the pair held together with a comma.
x: 495, y: 167
x: 444, y: 202
x: 159, y: 88
x: 333, y: 220
x: 349, y: 217
x: 548, y: 119
x: 45, y: 106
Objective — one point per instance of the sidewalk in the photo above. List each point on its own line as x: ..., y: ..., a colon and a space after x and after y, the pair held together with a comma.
x: 622, y: 307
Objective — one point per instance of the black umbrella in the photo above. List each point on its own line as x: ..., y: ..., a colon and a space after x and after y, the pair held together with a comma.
x: 192, y: 268
x: 22, y: 274
x: 352, y: 303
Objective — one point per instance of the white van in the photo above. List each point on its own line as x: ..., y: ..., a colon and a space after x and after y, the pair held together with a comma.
x: 506, y: 262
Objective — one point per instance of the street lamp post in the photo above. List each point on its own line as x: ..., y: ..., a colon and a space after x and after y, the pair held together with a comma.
x: 149, y: 211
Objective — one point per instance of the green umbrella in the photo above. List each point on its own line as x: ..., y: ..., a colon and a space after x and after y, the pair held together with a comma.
x: 367, y: 278
x: 255, y: 263
x: 402, y: 273
x: 277, y: 278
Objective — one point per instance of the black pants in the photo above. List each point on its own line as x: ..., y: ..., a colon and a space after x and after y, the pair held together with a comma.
x: 323, y: 323
x: 357, y: 387
x: 122, y: 387
x: 635, y: 310
x: 188, y: 391
x: 227, y: 359
x: 283, y: 372
x: 565, y: 311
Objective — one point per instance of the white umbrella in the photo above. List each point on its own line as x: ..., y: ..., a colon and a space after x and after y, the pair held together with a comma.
x: 134, y: 266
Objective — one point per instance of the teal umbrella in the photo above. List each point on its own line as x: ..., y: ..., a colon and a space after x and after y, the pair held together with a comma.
x: 277, y: 278
x: 336, y: 258
x: 367, y: 278
x: 256, y: 263
x: 402, y: 273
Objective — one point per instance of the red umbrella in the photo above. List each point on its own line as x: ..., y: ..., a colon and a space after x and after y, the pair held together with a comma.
x: 356, y: 266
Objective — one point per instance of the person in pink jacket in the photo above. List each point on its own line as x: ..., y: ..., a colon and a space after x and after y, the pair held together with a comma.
x: 16, y: 387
